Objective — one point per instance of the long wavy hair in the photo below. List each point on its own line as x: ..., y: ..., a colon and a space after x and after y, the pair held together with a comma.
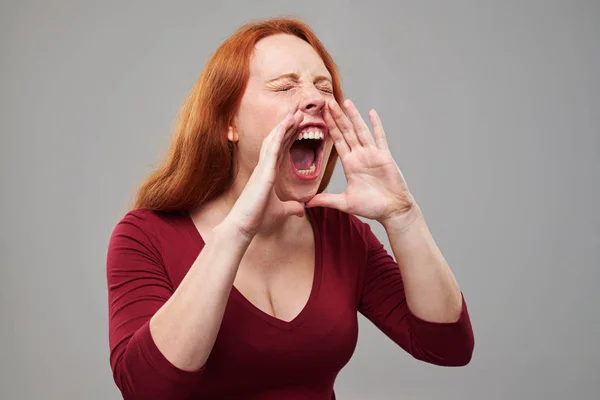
x: 198, y: 166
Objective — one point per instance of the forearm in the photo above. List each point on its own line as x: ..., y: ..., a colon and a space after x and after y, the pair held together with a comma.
x: 432, y: 292
x: 186, y: 326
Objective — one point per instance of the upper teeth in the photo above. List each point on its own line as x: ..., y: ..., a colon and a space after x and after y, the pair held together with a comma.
x: 311, y: 135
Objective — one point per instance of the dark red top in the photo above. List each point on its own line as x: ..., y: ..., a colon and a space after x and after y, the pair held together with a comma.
x: 257, y: 356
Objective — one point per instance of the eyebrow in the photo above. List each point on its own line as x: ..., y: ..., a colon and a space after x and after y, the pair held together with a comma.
x: 295, y: 77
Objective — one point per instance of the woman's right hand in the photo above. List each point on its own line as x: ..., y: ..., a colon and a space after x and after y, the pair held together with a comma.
x: 258, y: 204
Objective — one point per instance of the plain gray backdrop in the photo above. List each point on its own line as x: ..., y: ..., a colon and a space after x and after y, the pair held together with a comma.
x: 492, y: 111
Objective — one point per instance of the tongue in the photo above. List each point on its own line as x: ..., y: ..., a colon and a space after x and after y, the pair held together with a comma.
x: 303, y: 154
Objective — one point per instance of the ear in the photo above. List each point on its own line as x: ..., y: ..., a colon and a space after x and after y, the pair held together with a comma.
x: 232, y: 134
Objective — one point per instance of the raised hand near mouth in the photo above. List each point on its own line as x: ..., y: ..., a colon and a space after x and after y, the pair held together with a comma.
x: 376, y: 188
x: 258, y: 203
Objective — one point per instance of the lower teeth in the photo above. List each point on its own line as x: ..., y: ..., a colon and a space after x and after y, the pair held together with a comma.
x: 307, y: 171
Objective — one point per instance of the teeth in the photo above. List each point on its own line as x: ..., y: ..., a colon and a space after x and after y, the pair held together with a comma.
x: 311, y: 135
x: 308, y: 171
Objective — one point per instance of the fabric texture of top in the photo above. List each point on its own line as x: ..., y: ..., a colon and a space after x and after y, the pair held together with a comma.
x: 256, y: 355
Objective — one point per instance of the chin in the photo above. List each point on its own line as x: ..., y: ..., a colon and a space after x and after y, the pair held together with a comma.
x: 300, y: 193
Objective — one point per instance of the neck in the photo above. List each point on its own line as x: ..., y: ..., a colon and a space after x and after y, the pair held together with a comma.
x: 217, y: 209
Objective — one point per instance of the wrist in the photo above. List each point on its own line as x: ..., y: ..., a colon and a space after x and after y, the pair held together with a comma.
x: 231, y: 234
x: 402, y: 222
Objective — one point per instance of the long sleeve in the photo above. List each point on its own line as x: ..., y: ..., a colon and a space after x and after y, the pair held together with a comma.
x: 383, y: 302
x: 138, y: 286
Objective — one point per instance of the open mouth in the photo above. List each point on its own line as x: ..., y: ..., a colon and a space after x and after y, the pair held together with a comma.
x: 306, y: 153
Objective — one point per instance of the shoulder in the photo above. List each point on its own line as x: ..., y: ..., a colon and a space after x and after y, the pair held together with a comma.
x: 142, y: 221
x: 151, y: 220
x: 148, y: 227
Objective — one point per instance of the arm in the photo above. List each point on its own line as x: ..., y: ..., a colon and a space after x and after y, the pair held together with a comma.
x: 385, y: 301
x: 432, y: 292
x: 161, y: 338
x: 186, y: 326
x: 417, y: 303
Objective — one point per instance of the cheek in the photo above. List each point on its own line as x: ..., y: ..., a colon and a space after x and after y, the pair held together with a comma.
x: 257, y: 118
x: 268, y: 116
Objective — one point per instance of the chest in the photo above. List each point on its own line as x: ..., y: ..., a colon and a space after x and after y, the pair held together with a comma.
x: 291, y: 318
x: 320, y: 335
x: 278, y: 281
x: 309, y: 350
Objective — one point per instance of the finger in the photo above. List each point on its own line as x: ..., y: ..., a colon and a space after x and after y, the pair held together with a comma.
x: 360, y: 127
x: 338, y: 139
x: 272, y: 143
x: 271, y: 146
x: 277, y: 133
x: 293, y: 208
x: 291, y: 132
x: 380, y: 139
x: 290, y: 135
x: 337, y: 201
x: 344, y: 125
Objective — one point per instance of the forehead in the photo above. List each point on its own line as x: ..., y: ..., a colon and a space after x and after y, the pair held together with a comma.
x: 282, y: 54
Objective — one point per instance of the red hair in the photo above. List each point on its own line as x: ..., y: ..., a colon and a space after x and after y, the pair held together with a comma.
x: 198, y: 166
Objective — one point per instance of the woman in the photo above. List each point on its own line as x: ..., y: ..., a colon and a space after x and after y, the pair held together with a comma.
x: 235, y: 276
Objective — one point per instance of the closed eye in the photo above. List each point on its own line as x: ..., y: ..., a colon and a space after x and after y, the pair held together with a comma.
x: 284, y: 88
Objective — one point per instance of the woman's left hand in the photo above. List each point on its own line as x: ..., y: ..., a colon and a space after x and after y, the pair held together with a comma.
x: 376, y: 188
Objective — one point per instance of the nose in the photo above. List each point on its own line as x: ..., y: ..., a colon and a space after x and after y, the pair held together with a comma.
x: 313, y: 101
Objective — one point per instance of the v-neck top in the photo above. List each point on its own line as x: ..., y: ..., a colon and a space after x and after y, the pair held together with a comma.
x: 237, y: 296
x: 256, y: 355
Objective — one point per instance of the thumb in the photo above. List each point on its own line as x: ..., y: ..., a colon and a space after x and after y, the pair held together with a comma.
x: 293, y: 208
x: 330, y: 200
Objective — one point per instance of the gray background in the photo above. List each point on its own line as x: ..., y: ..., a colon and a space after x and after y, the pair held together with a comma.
x: 492, y: 110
